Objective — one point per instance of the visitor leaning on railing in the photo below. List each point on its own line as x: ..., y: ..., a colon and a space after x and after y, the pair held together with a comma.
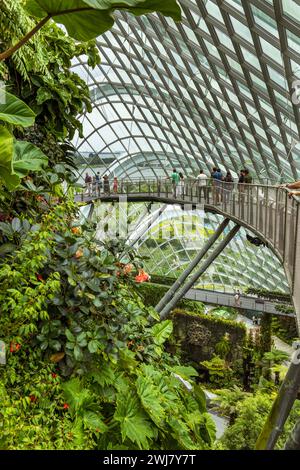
x: 295, y: 187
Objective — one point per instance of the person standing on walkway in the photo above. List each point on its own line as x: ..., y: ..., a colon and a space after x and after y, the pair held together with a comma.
x: 228, y: 187
x: 175, y: 181
x: 115, y: 185
x: 247, y: 177
x: 237, y: 299
x: 202, y: 181
x: 242, y: 180
x: 106, y: 187
x: 217, y: 182
x: 241, y: 186
x: 88, y: 184
x: 181, y: 186
x: 98, y: 183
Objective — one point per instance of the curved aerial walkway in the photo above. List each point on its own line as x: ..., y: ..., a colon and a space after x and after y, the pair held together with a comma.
x: 227, y: 299
x: 266, y: 211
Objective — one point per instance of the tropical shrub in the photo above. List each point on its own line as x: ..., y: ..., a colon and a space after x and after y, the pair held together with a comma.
x: 85, y: 366
x: 266, y: 294
x: 251, y: 413
x: 218, y: 373
x: 284, y: 327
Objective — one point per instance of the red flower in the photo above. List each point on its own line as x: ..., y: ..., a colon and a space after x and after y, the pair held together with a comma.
x: 142, y: 276
x: 39, y: 277
x: 14, y: 347
x: 54, y: 375
x: 33, y: 398
x: 66, y: 406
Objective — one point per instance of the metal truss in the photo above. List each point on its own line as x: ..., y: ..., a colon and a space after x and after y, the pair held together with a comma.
x: 239, y: 266
x: 215, y: 89
x: 218, y: 89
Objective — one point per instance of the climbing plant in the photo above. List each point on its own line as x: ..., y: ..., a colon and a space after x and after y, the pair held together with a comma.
x: 107, y: 377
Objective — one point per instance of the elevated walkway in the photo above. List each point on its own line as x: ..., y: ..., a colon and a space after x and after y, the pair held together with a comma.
x: 266, y: 211
x: 227, y: 299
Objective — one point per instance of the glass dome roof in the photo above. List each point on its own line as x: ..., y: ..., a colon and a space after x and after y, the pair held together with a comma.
x: 220, y: 88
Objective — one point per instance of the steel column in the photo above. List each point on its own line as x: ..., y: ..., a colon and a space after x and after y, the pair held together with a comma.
x: 281, y: 407
x: 180, y: 293
x: 182, y: 278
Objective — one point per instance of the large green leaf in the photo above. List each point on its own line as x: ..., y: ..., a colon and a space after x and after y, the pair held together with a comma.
x: 85, y: 20
x: 207, y: 428
x: 15, y: 111
x: 6, y: 155
x: 104, y: 375
x: 27, y: 158
x: 162, y: 331
x: 77, y: 396
x: 133, y: 421
x: 185, y: 371
x: 140, y: 7
x: 94, y: 421
x: 149, y: 396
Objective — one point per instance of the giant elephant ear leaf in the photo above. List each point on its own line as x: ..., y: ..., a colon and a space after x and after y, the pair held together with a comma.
x: 10, y: 180
x: 14, y: 110
x: 140, y: 7
x: 27, y: 158
x: 85, y: 20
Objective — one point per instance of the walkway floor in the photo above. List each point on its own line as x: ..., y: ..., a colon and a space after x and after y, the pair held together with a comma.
x: 282, y: 346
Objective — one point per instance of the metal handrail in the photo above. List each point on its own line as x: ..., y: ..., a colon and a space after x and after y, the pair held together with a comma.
x: 265, y: 209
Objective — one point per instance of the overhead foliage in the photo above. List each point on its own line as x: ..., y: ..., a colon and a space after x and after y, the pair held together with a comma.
x: 17, y: 158
x: 15, y: 111
x: 39, y: 72
x: 85, y: 20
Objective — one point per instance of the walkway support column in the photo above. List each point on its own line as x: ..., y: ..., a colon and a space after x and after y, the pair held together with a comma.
x: 281, y: 407
x: 181, y: 292
x: 182, y: 278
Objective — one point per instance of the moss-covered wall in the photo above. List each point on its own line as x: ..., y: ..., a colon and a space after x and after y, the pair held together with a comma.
x: 199, y: 334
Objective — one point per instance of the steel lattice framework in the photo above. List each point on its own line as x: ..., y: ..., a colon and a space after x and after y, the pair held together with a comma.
x: 218, y: 89
x: 215, y: 89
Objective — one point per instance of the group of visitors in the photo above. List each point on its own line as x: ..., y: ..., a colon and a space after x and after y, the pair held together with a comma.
x: 222, y: 185
x: 94, y: 185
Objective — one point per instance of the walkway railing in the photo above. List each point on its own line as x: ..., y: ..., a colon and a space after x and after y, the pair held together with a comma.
x: 267, y: 211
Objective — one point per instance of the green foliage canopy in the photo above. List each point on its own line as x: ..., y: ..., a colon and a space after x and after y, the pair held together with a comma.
x: 85, y: 20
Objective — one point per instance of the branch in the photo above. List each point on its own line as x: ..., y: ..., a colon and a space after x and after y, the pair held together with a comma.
x: 4, y: 55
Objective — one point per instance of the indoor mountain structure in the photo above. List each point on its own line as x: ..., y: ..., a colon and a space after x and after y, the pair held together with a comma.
x: 149, y: 228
